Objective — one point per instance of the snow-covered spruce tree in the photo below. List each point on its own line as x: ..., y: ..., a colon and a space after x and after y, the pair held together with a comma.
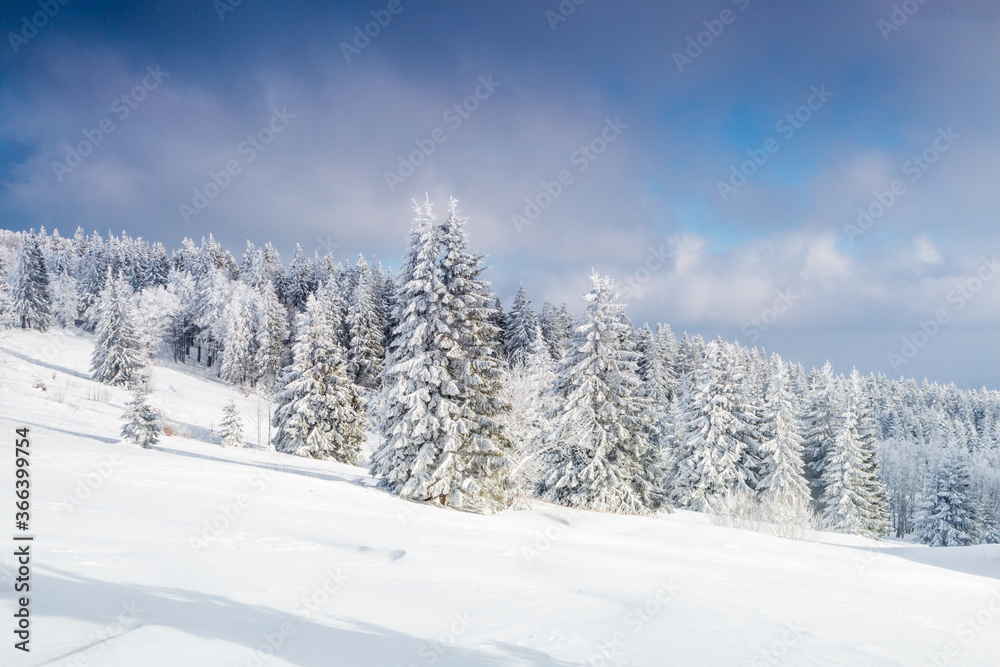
x: 65, y: 300
x: 30, y: 286
x: 783, y: 487
x: 850, y: 502
x: 475, y: 468
x: 716, y: 436
x: 118, y: 356
x: 876, y: 510
x: 600, y: 454
x: 270, y: 331
x: 946, y: 516
x: 548, y: 319
x: 141, y: 423
x: 320, y: 411
x: 240, y: 343
x: 232, y: 426
x: 438, y: 408
x: 7, y: 319
x: 298, y: 284
x: 365, y: 325
x: 411, y: 406
x: 523, y: 336
x: 821, y: 423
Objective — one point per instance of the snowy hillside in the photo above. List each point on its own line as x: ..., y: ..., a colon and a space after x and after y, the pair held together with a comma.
x: 194, y: 554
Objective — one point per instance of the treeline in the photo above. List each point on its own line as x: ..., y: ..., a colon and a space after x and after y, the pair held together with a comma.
x: 476, y: 407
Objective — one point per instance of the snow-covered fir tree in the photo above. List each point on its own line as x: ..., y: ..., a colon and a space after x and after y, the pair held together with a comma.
x: 475, y: 469
x: 876, y: 514
x: 946, y: 516
x: 30, y: 286
x: 320, y: 412
x: 65, y: 300
x: 299, y: 283
x: 717, y: 437
x: 523, y: 336
x: 232, y: 426
x: 821, y: 423
x: 7, y: 318
x: 439, y: 406
x: 365, y: 326
x: 600, y: 451
x: 851, y: 501
x: 240, y: 346
x: 782, y: 486
x: 141, y: 423
x: 271, y: 330
x: 118, y: 356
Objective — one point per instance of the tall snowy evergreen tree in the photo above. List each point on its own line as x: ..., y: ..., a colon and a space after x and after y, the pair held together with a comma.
x: 600, y: 453
x: 232, y: 426
x: 821, y: 423
x: 30, y: 286
x: 852, y: 501
x: 523, y: 336
x: 716, y: 436
x: 439, y: 406
x: 240, y: 346
x: 476, y: 463
x: 365, y: 325
x: 946, y: 515
x: 65, y: 300
x: 118, y: 356
x: 141, y: 423
x: 876, y: 515
x: 7, y: 317
x: 270, y: 331
x: 783, y: 485
x: 320, y: 411
x: 299, y: 282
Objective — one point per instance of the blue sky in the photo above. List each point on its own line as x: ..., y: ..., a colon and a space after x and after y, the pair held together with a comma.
x: 646, y: 210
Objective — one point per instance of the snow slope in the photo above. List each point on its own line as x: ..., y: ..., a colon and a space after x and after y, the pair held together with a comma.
x: 194, y: 554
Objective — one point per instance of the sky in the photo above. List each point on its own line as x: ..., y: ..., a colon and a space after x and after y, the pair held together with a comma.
x: 815, y: 179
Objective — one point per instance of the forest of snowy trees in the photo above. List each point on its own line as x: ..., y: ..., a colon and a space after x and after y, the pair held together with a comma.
x: 479, y: 408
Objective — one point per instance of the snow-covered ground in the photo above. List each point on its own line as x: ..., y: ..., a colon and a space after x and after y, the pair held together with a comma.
x: 194, y: 554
